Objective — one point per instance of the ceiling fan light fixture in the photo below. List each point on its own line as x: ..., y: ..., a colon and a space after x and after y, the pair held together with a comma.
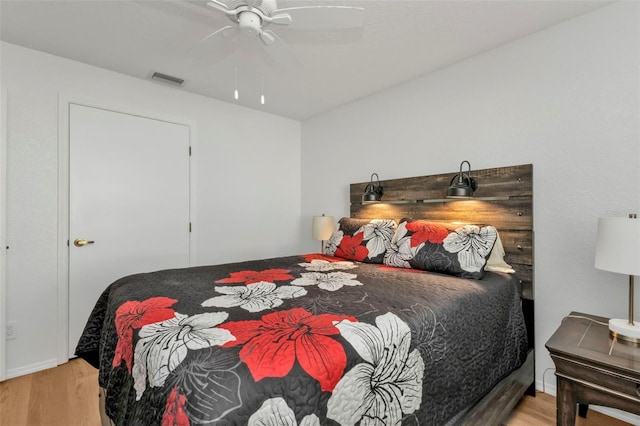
x: 251, y: 18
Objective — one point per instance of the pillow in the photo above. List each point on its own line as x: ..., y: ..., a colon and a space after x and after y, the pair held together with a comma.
x: 448, y: 248
x: 496, y: 262
x: 363, y: 240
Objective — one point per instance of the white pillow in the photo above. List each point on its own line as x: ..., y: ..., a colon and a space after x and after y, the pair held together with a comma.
x: 496, y: 261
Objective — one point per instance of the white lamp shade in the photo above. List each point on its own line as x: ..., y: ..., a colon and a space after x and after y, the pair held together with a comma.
x: 618, y: 245
x: 322, y: 227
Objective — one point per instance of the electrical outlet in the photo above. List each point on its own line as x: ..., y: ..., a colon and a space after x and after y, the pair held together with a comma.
x: 12, y: 330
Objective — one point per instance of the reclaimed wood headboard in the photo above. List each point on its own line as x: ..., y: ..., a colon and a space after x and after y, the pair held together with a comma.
x: 504, y: 199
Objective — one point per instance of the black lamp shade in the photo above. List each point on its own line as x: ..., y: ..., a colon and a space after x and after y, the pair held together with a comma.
x: 373, y: 191
x: 462, y: 189
x: 373, y: 194
x: 462, y: 185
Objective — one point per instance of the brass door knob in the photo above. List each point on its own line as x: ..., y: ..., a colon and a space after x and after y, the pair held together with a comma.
x: 79, y: 242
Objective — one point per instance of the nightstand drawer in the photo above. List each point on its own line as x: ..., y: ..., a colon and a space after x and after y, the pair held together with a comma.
x: 615, y: 382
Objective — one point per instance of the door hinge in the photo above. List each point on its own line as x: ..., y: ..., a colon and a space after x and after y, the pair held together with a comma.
x: 189, y: 151
x: 189, y: 226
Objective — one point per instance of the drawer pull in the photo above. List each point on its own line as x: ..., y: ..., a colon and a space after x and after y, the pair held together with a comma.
x: 638, y: 390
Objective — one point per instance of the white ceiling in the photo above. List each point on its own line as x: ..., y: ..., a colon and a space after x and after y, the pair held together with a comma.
x: 401, y: 40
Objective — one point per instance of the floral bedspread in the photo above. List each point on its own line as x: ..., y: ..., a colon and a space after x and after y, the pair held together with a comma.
x: 301, y: 340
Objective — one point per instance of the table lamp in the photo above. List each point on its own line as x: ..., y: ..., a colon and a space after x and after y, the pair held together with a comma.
x: 618, y: 250
x: 321, y: 229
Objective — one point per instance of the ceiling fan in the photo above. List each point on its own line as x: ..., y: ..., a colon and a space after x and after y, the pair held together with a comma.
x: 252, y: 17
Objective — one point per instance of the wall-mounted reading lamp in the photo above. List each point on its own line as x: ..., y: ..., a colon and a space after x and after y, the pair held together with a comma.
x: 464, y: 186
x: 373, y: 191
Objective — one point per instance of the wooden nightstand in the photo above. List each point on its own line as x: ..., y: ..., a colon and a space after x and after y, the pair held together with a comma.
x: 593, y: 368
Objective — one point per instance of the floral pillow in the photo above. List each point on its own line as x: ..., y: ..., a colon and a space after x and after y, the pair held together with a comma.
x: 362, y: 240
x: 447, y: 248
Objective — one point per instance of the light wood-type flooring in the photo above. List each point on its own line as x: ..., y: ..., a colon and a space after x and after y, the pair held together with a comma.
x: 68, y: 396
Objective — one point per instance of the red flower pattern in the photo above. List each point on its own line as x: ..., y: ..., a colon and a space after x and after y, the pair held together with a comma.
x: 135, y: 314
x: 174, y: 413
x: 273, y: 344
x: 249, y: 277
x: 350, y: 248
x: 426, y: 231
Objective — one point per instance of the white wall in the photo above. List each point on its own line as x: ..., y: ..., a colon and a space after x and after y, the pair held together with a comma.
x: 246, y: 180
x: 565, y: 99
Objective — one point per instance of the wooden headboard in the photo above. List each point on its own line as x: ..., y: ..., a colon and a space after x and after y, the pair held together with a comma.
x: 504, y: 199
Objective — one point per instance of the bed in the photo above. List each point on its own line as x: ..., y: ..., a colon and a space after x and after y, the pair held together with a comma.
x: 349, y: 336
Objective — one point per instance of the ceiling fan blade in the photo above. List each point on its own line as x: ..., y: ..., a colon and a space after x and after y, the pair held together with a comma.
x: 279, y: 52
x: 280, y: 19
x: 218, y: 3
x: 267, y: 37
x: 214, y: 48
x: 226, y: 32
x: 324, y: 17
x: 220, y: 7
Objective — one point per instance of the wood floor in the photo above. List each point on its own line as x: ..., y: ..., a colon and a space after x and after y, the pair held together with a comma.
x: 541, y: 410
x: 68, y: 396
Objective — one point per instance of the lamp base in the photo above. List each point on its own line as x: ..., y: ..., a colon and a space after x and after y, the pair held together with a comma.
x: 621, y: 329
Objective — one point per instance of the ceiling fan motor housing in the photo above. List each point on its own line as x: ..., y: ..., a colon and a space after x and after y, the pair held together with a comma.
x: 266, y: 7
x: 249, y: 22
x: 252, y: 17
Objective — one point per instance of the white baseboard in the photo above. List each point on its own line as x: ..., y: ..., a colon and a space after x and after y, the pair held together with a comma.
x: 550, y: 389
x: 32, y: 368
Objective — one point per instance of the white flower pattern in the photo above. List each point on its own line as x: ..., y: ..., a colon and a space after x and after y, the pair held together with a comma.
x: 388, y: 384
x: 319, y: 265
x: 472, y: 244
x: 400, y: 250
x: 164, y: 345
x: 254, y: 297
x: 331, y: 282
x: 276, y: 412
x: 378, y: 232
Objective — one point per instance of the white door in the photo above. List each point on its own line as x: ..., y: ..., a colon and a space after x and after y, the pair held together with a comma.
x: 128, y: 201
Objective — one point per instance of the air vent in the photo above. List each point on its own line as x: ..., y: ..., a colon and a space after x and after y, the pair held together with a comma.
x: 167, y: 79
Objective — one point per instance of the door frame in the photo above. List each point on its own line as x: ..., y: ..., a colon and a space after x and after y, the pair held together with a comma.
x: 3, y: 232
x: 63, y: 199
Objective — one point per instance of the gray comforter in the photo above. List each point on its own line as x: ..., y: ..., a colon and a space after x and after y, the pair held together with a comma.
x: 303, y: 340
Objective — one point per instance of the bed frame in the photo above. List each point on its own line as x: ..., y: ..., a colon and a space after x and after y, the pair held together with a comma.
x: 504, y: 199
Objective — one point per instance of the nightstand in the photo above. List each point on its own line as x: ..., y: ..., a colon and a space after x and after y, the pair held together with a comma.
x: 593, y: 368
